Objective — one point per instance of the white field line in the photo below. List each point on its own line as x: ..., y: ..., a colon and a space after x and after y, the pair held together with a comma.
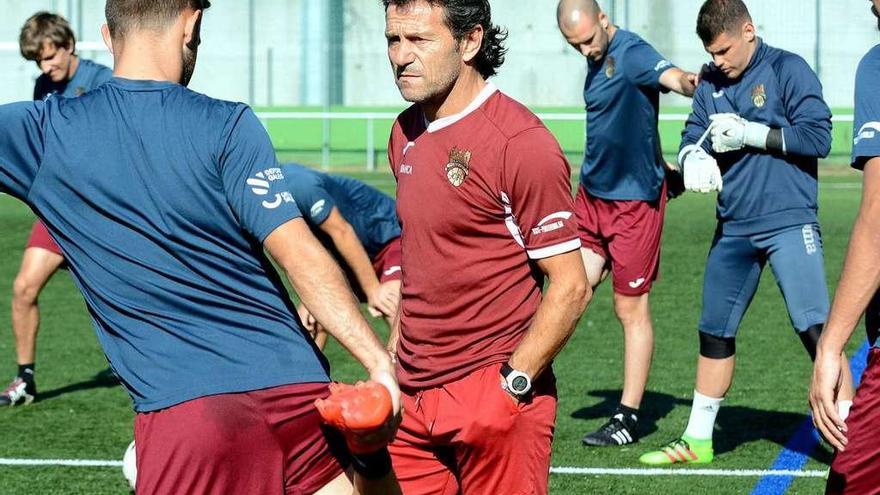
x: 755, y: 473
x: 59, y: 462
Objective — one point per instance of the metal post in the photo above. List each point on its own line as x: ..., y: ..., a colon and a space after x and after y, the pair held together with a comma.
x: 270, y: 90
x: 79, y: 19
x: 626, y: 14
x: 818, y: 47
x: 371, y: 146
x: 252, y: 51
x: 325, y: 146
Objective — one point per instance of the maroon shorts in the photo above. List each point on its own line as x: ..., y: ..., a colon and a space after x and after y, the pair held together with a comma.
x: 855, y: 470
x: 40, y: 238
x: 469, y: 436
x: 267, y: 441
x: 625, y: 233
x: 387, y: 262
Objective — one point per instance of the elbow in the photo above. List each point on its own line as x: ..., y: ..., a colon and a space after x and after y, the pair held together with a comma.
x: 580, y: 293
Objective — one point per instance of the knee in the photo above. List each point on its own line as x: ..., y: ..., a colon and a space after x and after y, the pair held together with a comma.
x: 633, y: 312
x: 24, y: 292
x: 713, y: 347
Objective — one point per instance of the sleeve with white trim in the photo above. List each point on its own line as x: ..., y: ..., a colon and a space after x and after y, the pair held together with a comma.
x: 866, y: 123
x: 644, y: 65
x: 309, y: 193
x: 537, y: 191
x: 252, y: 179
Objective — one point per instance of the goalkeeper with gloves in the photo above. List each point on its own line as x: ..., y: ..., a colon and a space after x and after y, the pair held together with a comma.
x: 758, y: 126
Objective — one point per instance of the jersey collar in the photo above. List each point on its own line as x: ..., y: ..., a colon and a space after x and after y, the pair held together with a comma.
x: 481, y: 98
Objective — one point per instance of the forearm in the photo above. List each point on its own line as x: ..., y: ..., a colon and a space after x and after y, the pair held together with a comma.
x: 354, y: 254
x: 554, y: 323
x: 394, y: 333
x: 679, y: 81
x: 322, y: 287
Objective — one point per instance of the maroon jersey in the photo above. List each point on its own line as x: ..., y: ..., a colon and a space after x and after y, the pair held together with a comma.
x: 481, y: 195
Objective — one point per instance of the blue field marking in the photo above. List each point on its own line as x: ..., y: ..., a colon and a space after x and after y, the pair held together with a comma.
x: 796, y: 452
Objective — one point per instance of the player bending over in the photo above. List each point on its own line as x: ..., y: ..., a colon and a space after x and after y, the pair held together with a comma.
x: 358, y: 225
x: 47, y: 40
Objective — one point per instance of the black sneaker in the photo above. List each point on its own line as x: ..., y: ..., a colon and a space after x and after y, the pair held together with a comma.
x: 19, y: 392
x: 619, y: 430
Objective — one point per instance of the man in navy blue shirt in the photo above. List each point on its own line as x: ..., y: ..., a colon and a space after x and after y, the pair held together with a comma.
x: 48, y: 40
x: 622, y: 177
x: 759, y: 121
x: 358, y: 225
x: 856, y: 440
x: 163, y: 221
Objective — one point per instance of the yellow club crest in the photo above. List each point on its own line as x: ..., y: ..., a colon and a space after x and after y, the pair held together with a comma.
x: 458, y: 167
x: 610, y: 67
x: 759, y: 96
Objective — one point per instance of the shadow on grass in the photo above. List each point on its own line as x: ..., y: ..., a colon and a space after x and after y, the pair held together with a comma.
x: 103, y: 379
x: 736, y: 425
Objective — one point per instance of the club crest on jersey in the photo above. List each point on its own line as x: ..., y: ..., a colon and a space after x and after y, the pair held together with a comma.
x: 458, y: 167
x: 759, y: 96
x: 610, y: 67
x: 79, y: 91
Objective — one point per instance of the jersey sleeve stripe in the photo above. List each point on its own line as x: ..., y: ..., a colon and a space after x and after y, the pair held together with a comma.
x: 550, y: 251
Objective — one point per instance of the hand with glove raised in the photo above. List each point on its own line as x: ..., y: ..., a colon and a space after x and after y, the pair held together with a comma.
x: 730, y: 132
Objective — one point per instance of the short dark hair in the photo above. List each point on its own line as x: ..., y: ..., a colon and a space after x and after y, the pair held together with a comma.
x: 123, y: 15
x: 720, y: 16
x: 461, y: 17
x: 41, y: 27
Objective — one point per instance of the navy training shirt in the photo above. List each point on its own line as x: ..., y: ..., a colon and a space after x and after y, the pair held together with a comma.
x: 765, y: 190
x: 160, y: 199
x: 866, y: 138
x: 88, y: 76
x: 371, y: 213
x: 622, y: 95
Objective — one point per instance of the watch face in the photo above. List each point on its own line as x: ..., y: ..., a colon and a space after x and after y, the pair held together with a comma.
x: 520, y: 383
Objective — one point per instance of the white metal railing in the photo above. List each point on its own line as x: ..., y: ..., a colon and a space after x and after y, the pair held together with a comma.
x: 88, y: 46
x: 370, y: 119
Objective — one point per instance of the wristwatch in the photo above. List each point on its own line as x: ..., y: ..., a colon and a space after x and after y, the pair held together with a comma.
x: 515, y: 382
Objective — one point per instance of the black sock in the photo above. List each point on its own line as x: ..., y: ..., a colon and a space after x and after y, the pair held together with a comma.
x: 26, y: 372
x: 628, y: 413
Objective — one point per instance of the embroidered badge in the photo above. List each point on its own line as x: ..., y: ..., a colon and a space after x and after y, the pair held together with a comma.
x: 458, y: 167
x: 759, y: 96
x: 610, y: 67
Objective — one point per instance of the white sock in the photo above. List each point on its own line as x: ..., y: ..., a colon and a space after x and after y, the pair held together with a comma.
x: 843, y: 408
x: 703, y: 413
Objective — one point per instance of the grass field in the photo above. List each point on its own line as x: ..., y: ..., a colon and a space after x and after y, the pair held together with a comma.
x: 82, y: 414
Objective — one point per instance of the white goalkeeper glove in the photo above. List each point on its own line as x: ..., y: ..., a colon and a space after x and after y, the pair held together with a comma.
x: 701, y: 172
x: 730, y: 132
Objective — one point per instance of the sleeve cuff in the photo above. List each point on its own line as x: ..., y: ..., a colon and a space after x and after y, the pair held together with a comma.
x: 550, y: 251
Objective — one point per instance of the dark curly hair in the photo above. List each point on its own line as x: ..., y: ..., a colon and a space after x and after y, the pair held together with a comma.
x: 720, y: 16
x: 461, y: 17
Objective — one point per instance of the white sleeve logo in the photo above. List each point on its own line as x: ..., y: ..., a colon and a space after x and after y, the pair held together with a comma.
x: 868, y: 131
x: 545, y: 225
x: 261, y: 184
x: 318, y: 207
x: 662, y: 65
